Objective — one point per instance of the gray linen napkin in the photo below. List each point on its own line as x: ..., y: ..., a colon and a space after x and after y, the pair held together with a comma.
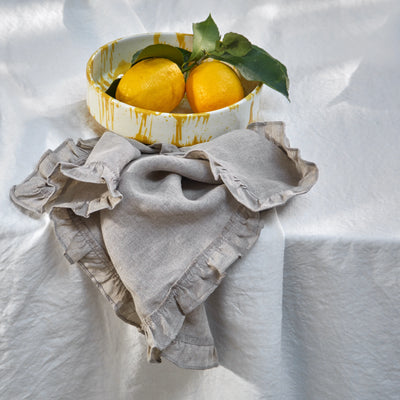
x: 156, y: 227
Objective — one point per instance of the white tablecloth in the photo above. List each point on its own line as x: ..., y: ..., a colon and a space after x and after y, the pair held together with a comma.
x: 311, y: 312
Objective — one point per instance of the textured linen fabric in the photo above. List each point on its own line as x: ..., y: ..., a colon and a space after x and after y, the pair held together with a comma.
x: 311, y: 311
x: 156, y: 227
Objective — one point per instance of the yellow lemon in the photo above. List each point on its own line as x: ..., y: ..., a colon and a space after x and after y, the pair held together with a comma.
x: 213, y: 85
x: 155, y: 84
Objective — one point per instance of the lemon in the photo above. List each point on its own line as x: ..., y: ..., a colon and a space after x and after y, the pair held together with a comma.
x: 156, y: 84
x: 213, y: 85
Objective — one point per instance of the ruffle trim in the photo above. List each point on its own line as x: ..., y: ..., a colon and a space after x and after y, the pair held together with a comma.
x: 45, y: 187
x: 36, y: 192
x: 180, y: 352
x: 202, y: 277
x: 273, y: 131
x: 81, y: 247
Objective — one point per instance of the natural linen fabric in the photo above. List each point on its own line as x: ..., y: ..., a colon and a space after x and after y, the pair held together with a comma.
x: 156, y: 227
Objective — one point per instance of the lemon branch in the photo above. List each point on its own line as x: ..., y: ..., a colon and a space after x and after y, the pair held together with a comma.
x: 253, y: 62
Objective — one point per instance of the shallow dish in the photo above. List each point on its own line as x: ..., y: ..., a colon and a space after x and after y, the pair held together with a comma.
x: 181, y: 127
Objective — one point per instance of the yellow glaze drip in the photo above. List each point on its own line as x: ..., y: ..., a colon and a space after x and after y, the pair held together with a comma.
x: 156, y: 38
x: 251, y: 119
x: 103, y: 59
x: 180, y: 120
x: 177, y: 138
x: 104, y: 83
x: 180, y: 37
x: 106, y: 111
x: 106, y: 80
x: 110, y: 113
x: 122, y: 67
x: 89, y: 70
x: 203, y: 118
x: 106, y: 65
x: 112, y: 56
x: 198, y: 139
x: 145, y: 121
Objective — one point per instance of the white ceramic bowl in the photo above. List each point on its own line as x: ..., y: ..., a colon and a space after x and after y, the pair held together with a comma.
x: 182, y: 127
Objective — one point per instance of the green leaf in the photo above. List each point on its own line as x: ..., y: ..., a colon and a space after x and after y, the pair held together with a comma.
x: 235, y: 44
x: 258, y: 65
x: 205, y: 37
x: 186, y: 54
x: 159, y: 51
x: 135, y: 56
x: 186, y: 66
x: 113, y: 88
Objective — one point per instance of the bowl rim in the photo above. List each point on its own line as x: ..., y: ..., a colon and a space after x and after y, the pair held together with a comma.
x: 92, y: 82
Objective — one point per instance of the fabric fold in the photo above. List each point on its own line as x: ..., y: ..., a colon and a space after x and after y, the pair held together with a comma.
x: 271, y: 175
x: 201, y: 278
x: 36, y: 192
x: 83, y: 244
x: 156, y: 228
x: 194, y: 338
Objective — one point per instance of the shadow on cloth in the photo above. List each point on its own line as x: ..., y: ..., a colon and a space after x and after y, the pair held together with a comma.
x: 370, y: 86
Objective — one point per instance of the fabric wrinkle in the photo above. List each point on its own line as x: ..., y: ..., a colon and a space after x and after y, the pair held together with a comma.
x: 156, y: 228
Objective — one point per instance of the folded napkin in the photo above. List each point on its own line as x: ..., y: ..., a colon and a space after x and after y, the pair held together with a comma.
x: 156, y: 227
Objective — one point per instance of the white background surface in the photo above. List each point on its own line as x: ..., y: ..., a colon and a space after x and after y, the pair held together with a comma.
x: 312, y: 312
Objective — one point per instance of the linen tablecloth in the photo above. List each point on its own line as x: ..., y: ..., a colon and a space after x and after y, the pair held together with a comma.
x: 311, y: 312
